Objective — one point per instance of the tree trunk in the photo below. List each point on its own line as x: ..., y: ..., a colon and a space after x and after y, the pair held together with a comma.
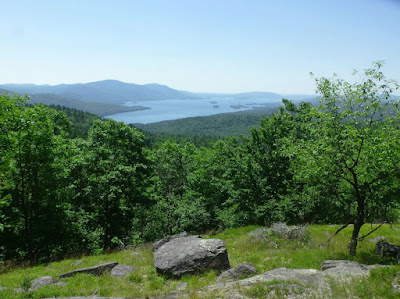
x: 358, y: 223
x: 354, y: 238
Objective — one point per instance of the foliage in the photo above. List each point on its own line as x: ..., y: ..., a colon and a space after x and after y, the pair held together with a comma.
x: 32, y: 163
x: 220, y: 125
x: 112, y: 181
x: 352, y: 141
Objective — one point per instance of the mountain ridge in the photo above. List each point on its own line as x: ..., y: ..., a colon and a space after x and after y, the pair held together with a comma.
x: 105, y: 91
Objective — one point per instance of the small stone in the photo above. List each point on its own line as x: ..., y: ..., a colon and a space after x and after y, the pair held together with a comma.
x: 122, y: 270
x: 238, y: 272
x: 377, y: 239
x: 41, y: 282
x: 396, y: 283
x: 182, y: 286
x: 77, y: 263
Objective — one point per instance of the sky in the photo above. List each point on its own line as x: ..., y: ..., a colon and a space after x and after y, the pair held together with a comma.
x: 197, y: 45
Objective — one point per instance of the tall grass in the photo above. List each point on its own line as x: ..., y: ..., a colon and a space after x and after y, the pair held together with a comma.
x: 265, y: 255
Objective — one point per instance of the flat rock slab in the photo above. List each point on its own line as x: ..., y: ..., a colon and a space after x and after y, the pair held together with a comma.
x: 122, y: 270
x: 95, y: 270
x: 337, y: 269
x: 189, y: 255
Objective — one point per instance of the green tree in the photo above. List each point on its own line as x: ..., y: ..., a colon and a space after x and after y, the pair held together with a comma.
x: 32, y: 172
x: 354, y: 136
x: 114, y: 171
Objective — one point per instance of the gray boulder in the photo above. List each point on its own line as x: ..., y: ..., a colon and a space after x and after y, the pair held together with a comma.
x: 238, y: 272
x: 188, y: 255
x: 387, y: 249
x: 95, y: 270
x: 122, y: 270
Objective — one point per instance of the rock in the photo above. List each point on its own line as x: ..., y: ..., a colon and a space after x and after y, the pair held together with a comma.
x: 3, y: 288
x: 377, y: 239
x: 305, y: 278
x: 387, y: 249
x: 122, y: 270
x: 161, y: 242
x: 301, y: 276
x: 95, y: 270
x: 182, y: 286
x: 330, y: 264
x: 238, y: 272
x: 396, y: 283
x: 188, y: 255
x: 41, y: 282
x: 343, y: 269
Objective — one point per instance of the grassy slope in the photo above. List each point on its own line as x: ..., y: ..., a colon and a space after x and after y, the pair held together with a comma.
x: 241, y: 249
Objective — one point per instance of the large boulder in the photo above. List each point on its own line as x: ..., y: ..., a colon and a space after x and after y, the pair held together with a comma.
x: 189, y: 255
x: 387, y: 249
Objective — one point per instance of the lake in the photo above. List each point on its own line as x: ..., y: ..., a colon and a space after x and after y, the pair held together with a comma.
x: 175, y: 109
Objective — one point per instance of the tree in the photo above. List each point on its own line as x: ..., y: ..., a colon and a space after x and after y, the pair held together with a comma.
x: 354, y: 136
x: 31, y: 140
x: 114, y: 175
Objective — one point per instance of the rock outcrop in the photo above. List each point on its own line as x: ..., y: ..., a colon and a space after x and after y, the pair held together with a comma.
x: 189, y: 255
x: 310, y: 281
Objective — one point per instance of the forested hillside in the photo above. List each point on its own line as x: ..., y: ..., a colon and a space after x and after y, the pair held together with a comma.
x: 66, y: 193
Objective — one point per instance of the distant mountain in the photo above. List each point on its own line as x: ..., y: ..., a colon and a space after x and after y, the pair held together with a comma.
x: 99, y: 109
x: 107, y: 91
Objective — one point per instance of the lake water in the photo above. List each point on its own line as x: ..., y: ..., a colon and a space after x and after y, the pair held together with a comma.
x: 175, y: 109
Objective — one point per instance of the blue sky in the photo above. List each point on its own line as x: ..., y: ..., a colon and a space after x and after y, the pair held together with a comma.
x: 200, y: 46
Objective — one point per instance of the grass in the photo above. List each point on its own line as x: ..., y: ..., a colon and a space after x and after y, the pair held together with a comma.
x: 305, y: 253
